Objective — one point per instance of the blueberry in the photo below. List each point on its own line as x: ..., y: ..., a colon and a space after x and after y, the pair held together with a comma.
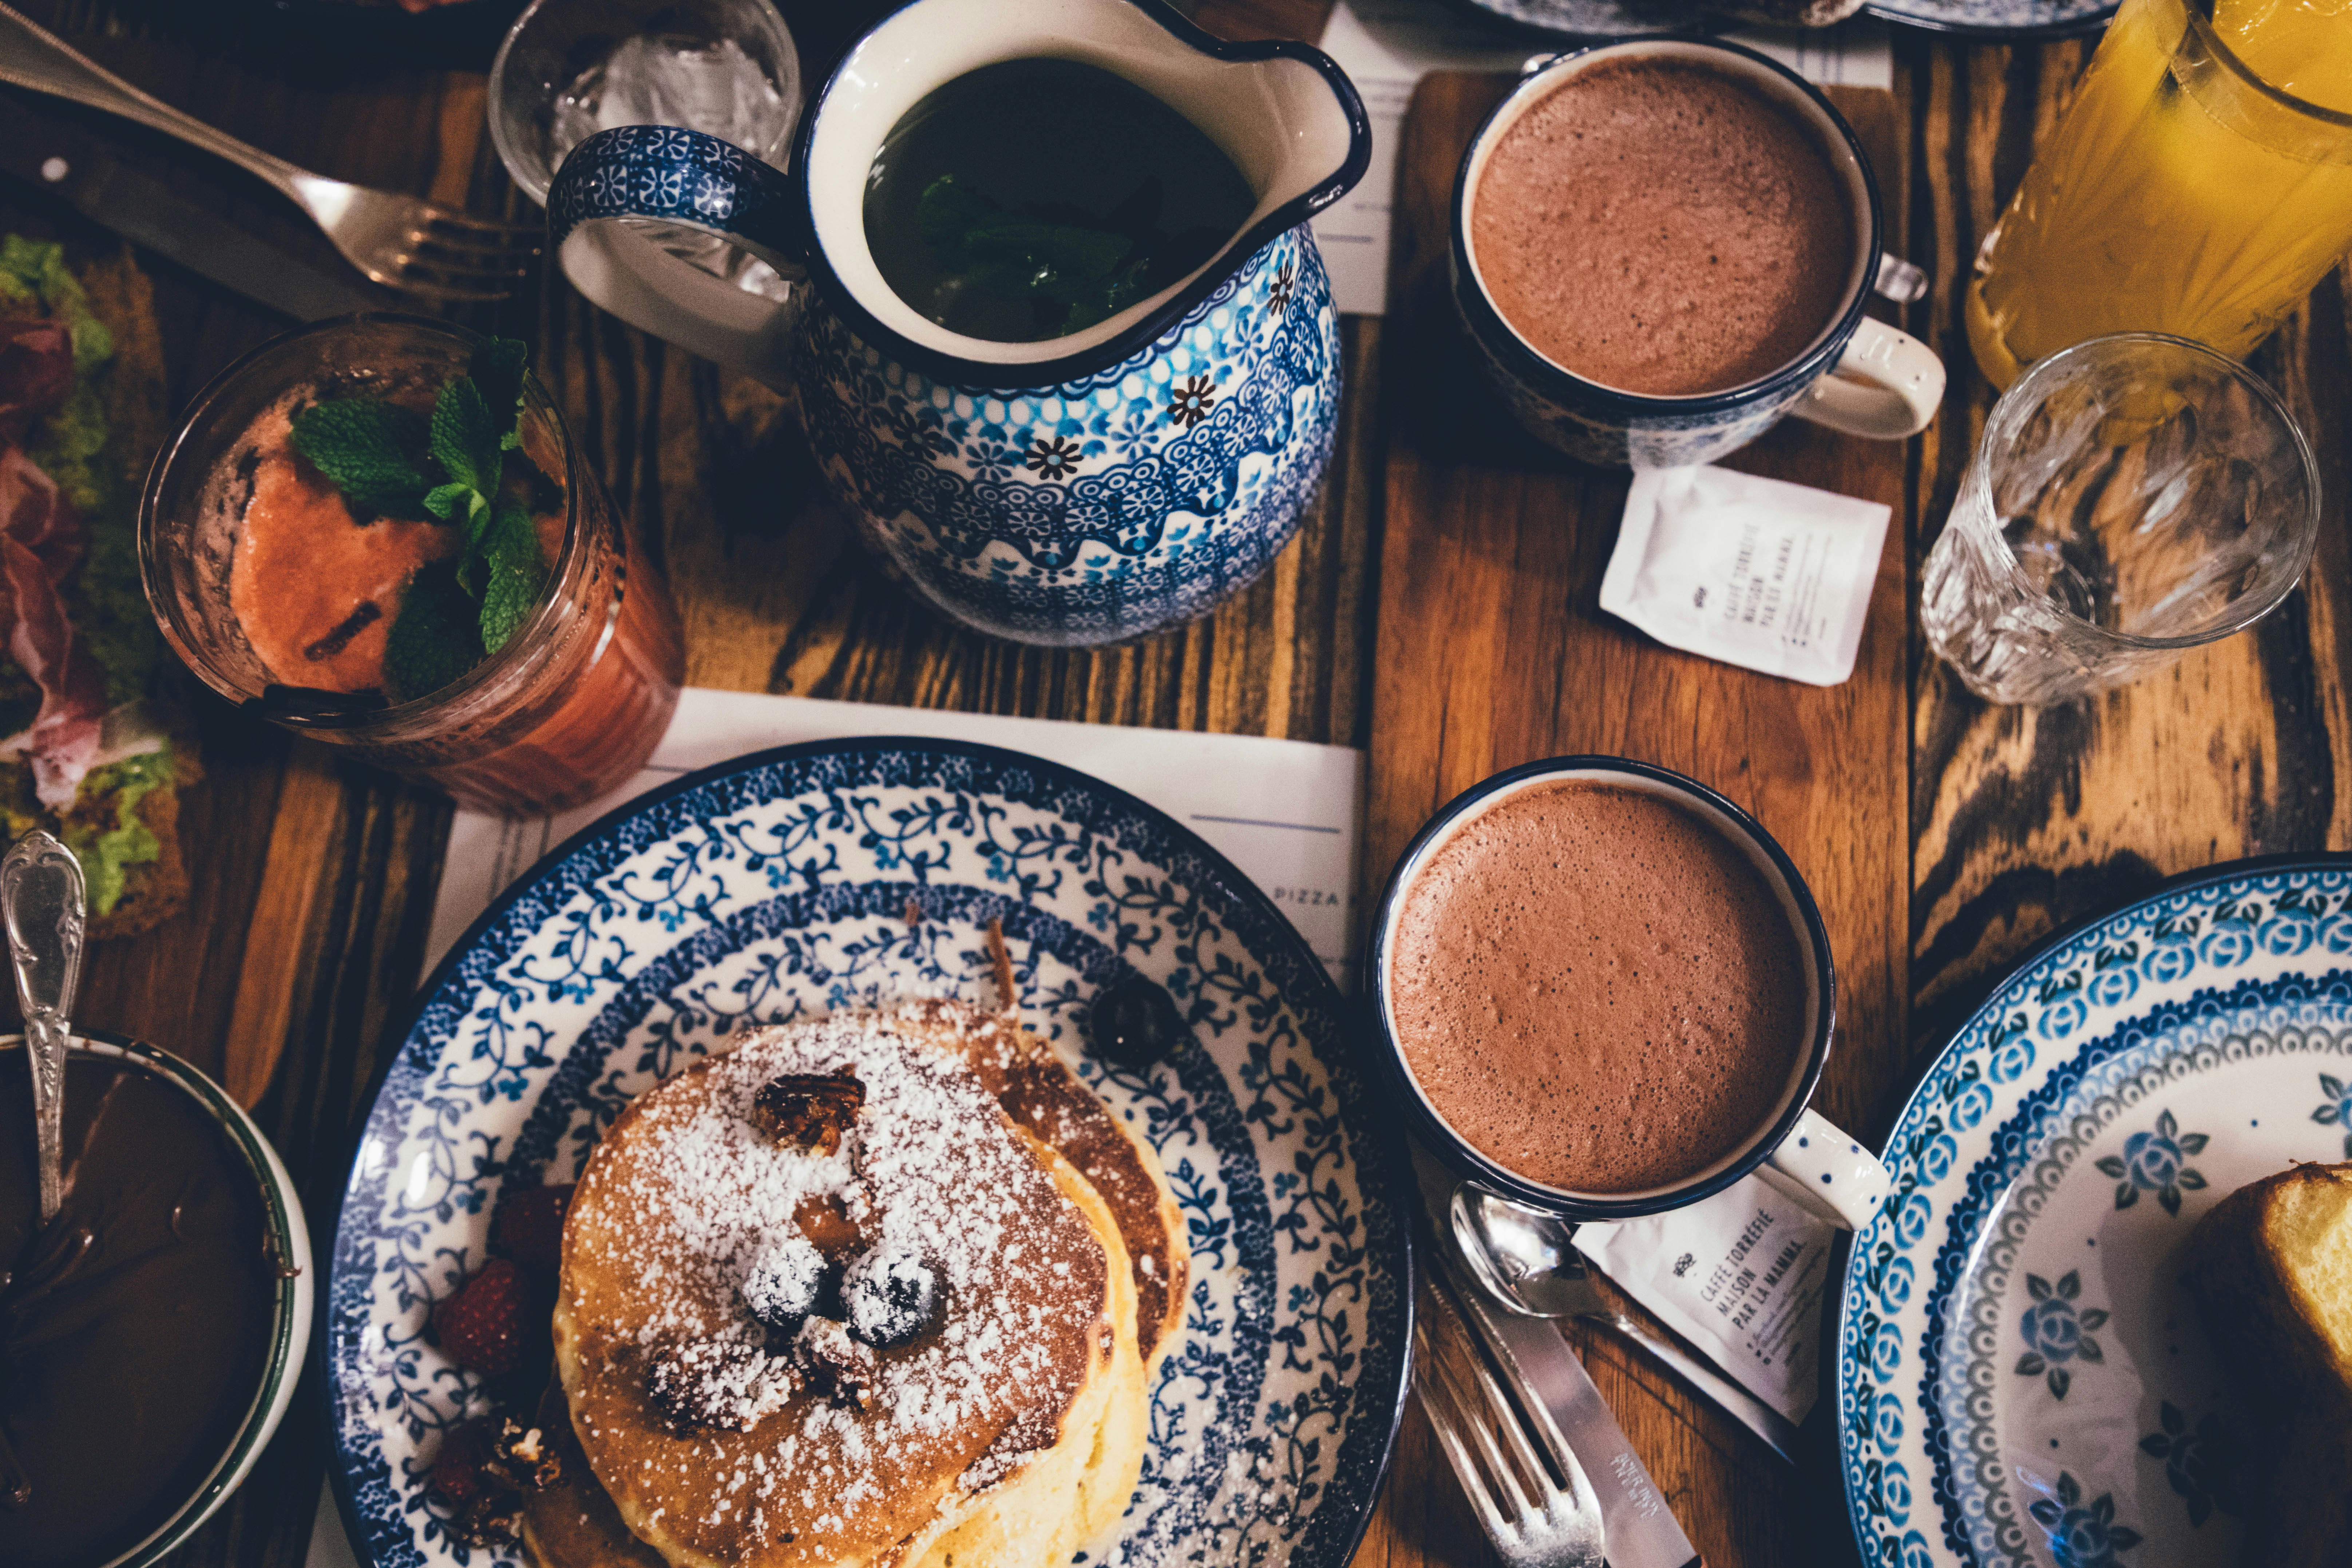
x: 891, y: 1297
x: 1134, y: 1024
x: 786, y: 1278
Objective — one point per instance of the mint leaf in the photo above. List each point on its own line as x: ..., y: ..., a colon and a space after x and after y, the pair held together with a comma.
x: 497, y: 375
x: 1013, y: 257
x: 435, y: 639
x: 372, y: 451
x: 518, y: 573
x: 448, y: 502
x: 465, y: 439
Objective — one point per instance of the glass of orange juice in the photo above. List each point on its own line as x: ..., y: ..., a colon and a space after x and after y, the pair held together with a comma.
x: 2199, y: 184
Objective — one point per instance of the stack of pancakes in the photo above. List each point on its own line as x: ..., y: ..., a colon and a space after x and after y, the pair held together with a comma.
x: 1007, y: 1430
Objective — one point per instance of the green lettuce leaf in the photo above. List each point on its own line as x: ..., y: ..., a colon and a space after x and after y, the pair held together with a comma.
x: 112, y: 839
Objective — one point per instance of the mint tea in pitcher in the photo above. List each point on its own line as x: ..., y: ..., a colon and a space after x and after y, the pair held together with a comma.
x: 1032, y: 198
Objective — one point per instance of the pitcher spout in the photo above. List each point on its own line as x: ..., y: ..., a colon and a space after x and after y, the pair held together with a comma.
x: 1282, y: 112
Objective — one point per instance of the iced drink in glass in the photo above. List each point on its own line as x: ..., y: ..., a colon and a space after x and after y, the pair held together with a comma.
x: 336, y: 609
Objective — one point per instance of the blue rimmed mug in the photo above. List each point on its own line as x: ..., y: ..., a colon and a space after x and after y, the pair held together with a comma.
x: 1086, y: 488
x: 1857, y: 375
x: 1796, y: 1150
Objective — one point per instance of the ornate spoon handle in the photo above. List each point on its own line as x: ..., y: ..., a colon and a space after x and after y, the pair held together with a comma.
x: 42, y: 903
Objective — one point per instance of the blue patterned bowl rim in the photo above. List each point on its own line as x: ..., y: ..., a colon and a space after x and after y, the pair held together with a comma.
x: 1382, y: 1162
x: 1851, y: 1483
x: 957, y: 371
x: 1931, y: 17
x: 1950, y: 17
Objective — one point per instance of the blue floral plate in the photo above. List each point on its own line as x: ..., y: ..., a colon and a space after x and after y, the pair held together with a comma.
x: 2020, y: 1378
x: 779, y: 887
x: 1989, y: 19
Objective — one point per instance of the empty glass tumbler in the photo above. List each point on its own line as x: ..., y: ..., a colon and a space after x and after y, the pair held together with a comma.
x: 2134, y: 497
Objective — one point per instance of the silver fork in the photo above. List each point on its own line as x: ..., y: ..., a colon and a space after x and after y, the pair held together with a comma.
x: 1522, y: 1481
x: 398, y: 241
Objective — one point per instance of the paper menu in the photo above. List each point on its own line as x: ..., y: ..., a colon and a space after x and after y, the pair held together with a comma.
x: 1386, y: 47
x: 1285, y: 812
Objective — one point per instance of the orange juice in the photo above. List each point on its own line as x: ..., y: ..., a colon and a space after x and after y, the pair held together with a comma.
x: 2199, y: 184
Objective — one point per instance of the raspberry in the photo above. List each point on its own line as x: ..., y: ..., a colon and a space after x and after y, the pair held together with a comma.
x: 457, y: 1473
x: 529, y: 1226
x: 485, y: 1326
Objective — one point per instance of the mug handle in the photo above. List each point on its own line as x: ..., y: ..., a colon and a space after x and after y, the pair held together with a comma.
x: 683, y: 177
x: 1887, y: 385
x: 1829, y: 1172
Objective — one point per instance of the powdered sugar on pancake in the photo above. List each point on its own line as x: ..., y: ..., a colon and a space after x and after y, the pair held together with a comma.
x: 930, y: 1169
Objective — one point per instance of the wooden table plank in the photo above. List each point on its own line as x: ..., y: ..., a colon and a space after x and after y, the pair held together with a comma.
x: 315, y: 879
x: 2024, y: 820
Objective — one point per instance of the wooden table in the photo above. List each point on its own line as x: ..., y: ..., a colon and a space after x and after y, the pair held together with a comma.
x: 301, y: 950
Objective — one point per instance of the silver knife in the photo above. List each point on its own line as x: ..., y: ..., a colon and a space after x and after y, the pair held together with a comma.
x: 1641, y: 1530
x: 55, y: 157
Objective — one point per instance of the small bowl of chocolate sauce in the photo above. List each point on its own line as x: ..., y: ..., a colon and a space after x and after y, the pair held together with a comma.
x: 151, y: 1335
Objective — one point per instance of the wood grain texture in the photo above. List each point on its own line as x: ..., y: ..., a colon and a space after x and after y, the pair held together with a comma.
x: 2024, y: 821
x: 296, y: 962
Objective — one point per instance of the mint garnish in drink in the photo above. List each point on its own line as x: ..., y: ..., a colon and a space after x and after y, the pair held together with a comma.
x: 392, y: 461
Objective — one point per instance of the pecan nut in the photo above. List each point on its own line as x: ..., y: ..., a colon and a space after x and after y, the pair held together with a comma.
x: 809, y: 1110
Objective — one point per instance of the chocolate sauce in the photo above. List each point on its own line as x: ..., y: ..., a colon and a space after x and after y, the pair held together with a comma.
x: 134, y: 1328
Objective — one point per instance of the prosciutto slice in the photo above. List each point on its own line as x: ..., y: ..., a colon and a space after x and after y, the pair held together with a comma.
x: 42, y: 540
x: 36, y: 372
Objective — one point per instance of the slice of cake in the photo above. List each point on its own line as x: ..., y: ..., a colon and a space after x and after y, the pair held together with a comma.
x: 2271, y: 1268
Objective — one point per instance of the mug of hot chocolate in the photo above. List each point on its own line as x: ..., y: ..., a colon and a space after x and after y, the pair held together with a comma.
x: 1604, y: 992
x: 1662, y: 247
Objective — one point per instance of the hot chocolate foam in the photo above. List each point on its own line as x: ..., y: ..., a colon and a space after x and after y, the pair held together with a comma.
x: 1595, y: 988
x: 1662, y: 229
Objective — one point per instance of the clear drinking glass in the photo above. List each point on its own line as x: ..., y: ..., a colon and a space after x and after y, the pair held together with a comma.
x: 570, y: 68
x: 2133, y: 497
x: 569, y: 708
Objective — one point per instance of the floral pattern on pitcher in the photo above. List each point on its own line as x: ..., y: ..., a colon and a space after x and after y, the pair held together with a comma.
x: 1106, y: 507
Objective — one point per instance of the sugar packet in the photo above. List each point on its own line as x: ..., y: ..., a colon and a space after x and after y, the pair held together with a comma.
x: 1741, y: 1274
x: 1759, y: 572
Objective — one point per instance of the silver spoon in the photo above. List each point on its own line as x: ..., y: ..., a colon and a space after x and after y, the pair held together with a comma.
x: 1527, y: 1260
x: 42, y: 902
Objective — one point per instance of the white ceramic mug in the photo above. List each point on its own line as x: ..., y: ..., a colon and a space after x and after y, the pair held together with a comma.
x: 1795, y: 1148
x: 1857, y: 376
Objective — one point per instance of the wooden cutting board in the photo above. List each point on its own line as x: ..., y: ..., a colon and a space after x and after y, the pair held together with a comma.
x: 1492, y: 650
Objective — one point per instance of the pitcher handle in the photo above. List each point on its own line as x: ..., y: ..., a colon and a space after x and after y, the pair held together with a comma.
x: 683, y: 177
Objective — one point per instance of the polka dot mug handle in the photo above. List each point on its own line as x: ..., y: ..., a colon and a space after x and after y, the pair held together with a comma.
x: 1839, y: 1179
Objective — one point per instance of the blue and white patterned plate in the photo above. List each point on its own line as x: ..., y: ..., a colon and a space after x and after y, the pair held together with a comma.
x: 2012, y: 19
x: 2020, y: 1378
x: 779, y: 887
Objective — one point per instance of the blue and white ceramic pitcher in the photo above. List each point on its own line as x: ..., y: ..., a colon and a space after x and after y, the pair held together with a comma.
x: 1086, y: 489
